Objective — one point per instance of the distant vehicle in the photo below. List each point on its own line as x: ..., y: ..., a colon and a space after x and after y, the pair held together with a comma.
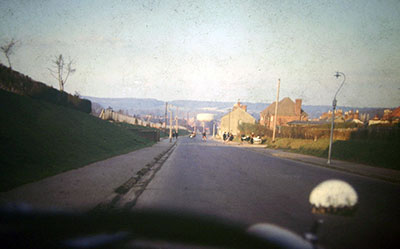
x: 245, y: 138
x: 257, y: 140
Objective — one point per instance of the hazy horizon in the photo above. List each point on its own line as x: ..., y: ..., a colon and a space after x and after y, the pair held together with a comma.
x: 213, y: 50
x: 243, y: 102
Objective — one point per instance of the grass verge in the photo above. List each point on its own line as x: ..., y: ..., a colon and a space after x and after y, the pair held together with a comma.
x: 39, y: 139
x: 379, y: 153
x: 163, y: 134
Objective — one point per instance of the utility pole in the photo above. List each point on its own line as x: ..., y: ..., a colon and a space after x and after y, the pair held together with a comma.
x: 195, y: 125
x: 229, y: 124
x: 176, y: 118
x: 187, y: 120
x: 276, y: 110
x: 170, y: 126
x: 213, y: 134
x: 165, y: 116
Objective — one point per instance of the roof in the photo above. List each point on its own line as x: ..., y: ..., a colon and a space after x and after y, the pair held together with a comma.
x: 396, y: 112
x: 355, y: 120
x: 286, y: 107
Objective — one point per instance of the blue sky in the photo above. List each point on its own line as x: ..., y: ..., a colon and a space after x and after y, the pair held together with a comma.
x: 213, y: 50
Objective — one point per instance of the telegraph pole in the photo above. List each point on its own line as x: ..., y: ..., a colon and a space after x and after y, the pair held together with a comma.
x: 276, y: 110
x: 213, y: 134
x: 195, y: 124
x: 165, y: 116
x: 187, y: 120
x: 176, y: 118
x: 229, y: 124
x: 170, y: 126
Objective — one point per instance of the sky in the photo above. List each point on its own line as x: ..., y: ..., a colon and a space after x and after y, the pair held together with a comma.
x: 212, y: 50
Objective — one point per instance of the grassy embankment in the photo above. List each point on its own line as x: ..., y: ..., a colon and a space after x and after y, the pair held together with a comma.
x: 39, y: 139
x: 378, y: 153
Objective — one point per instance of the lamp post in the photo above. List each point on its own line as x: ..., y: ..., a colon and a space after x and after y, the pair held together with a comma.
x: 334, y: 102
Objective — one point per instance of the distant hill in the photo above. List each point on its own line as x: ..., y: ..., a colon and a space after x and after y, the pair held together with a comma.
x: 136, y: 106
x: 127, y: 103
x: 157, y: 107
x: 39, y: 139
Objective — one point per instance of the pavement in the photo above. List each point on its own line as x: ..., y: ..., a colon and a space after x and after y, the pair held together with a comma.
x: 350, y: 167
x: 84, y: 188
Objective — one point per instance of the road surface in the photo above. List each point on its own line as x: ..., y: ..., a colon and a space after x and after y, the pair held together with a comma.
x: 250, y: 187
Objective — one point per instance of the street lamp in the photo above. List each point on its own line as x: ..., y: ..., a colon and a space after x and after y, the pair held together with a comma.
x: 337, y: 75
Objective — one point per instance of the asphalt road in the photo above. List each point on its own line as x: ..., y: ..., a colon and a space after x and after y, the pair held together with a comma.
x: 249, y: 187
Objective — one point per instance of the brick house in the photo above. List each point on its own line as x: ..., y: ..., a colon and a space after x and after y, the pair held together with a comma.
x: 395, y: 115
x: 287, y: 111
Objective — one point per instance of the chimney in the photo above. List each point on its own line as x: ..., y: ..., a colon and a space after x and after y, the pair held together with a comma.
x: 297, y: 108
x: 357, y: 115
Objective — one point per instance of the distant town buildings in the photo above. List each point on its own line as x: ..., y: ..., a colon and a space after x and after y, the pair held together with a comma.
x: 287, y: 111
x: 341, y: 117
x: 390, y: 117
x: 231, y: 121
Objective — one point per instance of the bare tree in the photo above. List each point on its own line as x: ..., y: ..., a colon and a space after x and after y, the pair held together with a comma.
x: 61, y: 70
x: 8, y: 49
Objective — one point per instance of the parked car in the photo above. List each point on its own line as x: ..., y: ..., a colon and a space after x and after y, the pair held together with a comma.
x: 257, y: 140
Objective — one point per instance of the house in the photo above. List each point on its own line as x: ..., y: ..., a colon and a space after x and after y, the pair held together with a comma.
x: 287, y: 111
x: 395, y: 115
x: 377, y: 121
x: 231, y: 121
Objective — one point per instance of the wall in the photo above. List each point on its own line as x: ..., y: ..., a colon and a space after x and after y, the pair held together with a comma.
x: 153, y: 135
x: 230, y: 122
